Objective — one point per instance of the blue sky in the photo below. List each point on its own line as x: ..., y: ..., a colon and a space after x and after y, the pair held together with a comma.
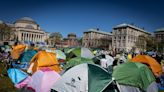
x: 67, y: 16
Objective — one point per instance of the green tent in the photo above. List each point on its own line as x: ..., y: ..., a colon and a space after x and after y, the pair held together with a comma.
x: 84, y: 78
x: 133, y: 74
x: 80, y: 52
x: 76, y: 61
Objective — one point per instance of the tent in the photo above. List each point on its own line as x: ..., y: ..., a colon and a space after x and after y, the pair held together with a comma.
x: 80, y: 52
x: 133, y: 74
x: 76, y: 61
x: 24, y: 59
x: 27, y: 56
x: 60, y: 54
x: 43, y: 80
x: 44, y: 59
x: 151, y: 62
x: 84, y: 78
x: 17, y: 50
x: 16, y: 75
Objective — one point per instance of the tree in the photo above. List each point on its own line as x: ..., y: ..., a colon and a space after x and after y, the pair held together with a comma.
x: 141, y: 42
x: 5, y: 32
x: 148, y: 43
x: 56, y: 37
x: 151, y: 43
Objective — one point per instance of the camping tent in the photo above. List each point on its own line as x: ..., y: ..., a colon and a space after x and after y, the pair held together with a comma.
x: 27, y: 56
x: 60, y: 54
x: 154, y: 65
x: 24, y: 59
x: 44, y: 59
x: 80, y: 52
x: 84, y: 78
x: 133, y: 74
x: 16, y: 75
x: 17, y: 50
x: 42, y: 80
x: 76, y: 61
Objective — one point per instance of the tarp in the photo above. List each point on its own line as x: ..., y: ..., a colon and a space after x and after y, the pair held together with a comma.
x: 43, y: 80
x: 133, y: 74
x: 44, y: 59
x: 17, y: 50
x: 76, y: 61
x: 16, y: 75
x: 83, y: 78
x: 80, y: 52
x: 151, y: 62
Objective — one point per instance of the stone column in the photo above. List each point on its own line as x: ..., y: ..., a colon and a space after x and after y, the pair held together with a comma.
x: 34, y: 37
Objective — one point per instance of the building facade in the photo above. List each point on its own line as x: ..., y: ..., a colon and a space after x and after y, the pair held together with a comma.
x: 72, y: 40
x: 95, y: 38
x: 26, y: 29
x: 159, y: 34
x: 125, y: 37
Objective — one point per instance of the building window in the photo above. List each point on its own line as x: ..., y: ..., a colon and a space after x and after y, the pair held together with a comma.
x: 124, y: 37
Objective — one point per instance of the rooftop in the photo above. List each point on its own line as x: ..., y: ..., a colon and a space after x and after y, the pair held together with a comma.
x: 98, y: 31
x: 160, y: 30
x: 132, y: 26
x: 26, y: 20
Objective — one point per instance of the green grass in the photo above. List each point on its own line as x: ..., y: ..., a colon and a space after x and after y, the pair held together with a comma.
x: 6, y: 84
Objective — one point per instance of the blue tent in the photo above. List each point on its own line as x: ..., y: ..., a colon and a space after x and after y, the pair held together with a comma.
x: 27, y: 56
x: 16, y: 75
x: 24, y: 59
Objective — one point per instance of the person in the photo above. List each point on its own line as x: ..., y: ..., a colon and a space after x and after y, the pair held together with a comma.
x: 32, y: 46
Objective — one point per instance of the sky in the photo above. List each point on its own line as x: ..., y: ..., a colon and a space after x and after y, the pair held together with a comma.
x: 77, y: 16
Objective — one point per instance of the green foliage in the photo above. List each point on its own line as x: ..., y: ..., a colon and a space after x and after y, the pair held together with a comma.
x: 56, y: 37
x: 6, y: 32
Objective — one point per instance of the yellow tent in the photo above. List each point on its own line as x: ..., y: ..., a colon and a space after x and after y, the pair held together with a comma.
x: 151, y: 62
x: 45, y: 59
x: 17, y: 50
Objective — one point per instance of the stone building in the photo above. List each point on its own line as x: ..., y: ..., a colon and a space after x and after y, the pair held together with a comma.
x: 159, y: 35
x: 125, y: 37
x: 95, y: 38
x: 26, y: 29
x: 72, y: 40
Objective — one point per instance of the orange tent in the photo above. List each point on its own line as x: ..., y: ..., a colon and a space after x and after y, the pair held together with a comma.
x: 151, y: 62
x: 45, y: 59
x: 17, y: 50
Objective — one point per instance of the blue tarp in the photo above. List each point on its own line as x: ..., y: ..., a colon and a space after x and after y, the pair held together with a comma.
x: 16, y: 75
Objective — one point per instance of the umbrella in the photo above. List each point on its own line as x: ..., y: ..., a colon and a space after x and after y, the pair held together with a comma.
x: 84, y: 78
x: 76, y: 61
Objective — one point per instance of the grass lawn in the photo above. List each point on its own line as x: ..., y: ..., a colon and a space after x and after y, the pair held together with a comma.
x: 6, y: 84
